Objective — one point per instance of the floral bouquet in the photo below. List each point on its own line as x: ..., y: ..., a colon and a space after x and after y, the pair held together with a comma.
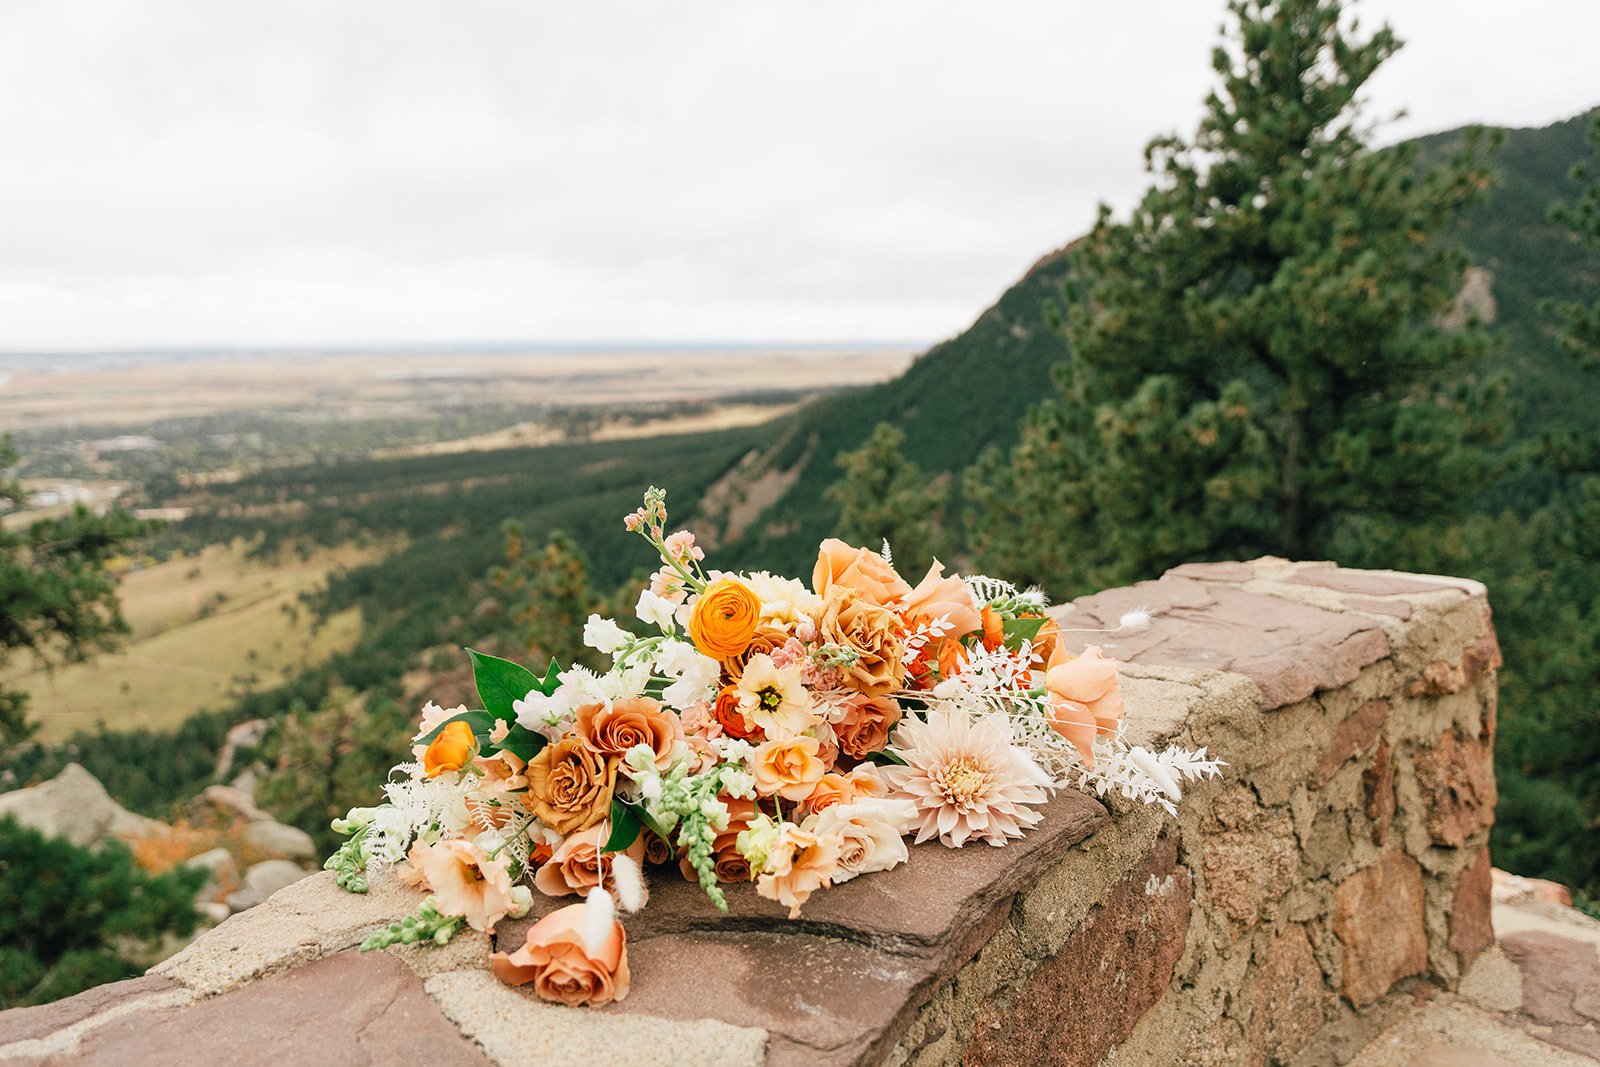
x: 751, y: 729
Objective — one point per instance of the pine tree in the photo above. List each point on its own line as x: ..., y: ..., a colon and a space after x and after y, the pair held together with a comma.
x: 548, y: 597
x: 58, y: 602
x: 883, y: 496
x: 1257, y: 360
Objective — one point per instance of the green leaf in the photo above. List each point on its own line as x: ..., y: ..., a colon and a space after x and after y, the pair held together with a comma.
x: 551, y: 679
x: 522, y: 743
x: 480, y: 721
x: 625, y: 826
x: 501, y: 683
x: 887, y: 758
x: 1020, y: 630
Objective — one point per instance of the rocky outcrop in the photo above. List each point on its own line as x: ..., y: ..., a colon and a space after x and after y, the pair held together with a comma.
x: 1328, y: 900
x: 74, y: 805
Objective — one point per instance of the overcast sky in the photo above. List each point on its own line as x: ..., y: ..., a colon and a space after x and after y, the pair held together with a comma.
x: 337, y: 171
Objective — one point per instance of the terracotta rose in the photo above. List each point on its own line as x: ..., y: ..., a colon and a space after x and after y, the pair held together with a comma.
x: 866, y: 725
x: 570, y: 785
x: 562, y: 967
x: 875, y: 633
x: 640, y: 721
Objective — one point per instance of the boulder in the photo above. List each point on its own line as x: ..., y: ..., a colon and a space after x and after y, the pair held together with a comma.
x: 74, y: 805
x: 274, y: 840
x: 224, y: 804
x: 223, y: 871
x: 264, y: 879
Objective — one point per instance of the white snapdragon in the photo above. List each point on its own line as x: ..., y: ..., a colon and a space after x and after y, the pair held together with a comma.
x: 539, y: 713
x: 732, y: 749
x: 604, y: 635
x: 695, y: 674
x: 658, y: 611
x: 741, y: 785
x: 624, y: 683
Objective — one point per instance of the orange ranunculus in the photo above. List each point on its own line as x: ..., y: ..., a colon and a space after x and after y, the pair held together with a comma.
x: 562, y: 967
x: 613, y: 730
x: 994, y: 628
x: 952, y: 658
x: 939, y: 597
x: 731, y: 719
x: 866, y: 572
x: 450, y: 751
x: 725, y: 619
x: 1085, y: 697
x: 788, y: 768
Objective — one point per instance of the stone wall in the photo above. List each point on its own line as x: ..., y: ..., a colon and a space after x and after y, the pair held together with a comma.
x: 1337, y: 869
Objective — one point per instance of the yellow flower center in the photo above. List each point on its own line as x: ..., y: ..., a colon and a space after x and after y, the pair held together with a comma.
x: 770, y: 698
x: 965, y: 780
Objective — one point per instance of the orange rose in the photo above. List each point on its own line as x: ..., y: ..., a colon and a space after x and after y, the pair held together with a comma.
x: 939, y: 597
x: 570, y: 785
x: 724, y: 619
x: 788, y: 768
x: 855, y: 568
x: 638, y: 721
x: 562, y: 967
x: 866, y: 725
x: 1047, y: 639
x: 732, y: 720
x: 576, y: 866
x: 657, y: 849
x: 1085, y: 698
x: 832, y: 788
x: 765, y: 639
x: 451, y: 750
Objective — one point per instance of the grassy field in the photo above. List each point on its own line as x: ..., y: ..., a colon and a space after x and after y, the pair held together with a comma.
x: 206, y: 628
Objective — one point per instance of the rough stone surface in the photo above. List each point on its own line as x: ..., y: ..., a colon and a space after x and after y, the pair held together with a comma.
x: 1457, y: 779
x: 1289, y: 1001
x: 1354, y: 737
x: 518, y: 1030
x: 22, y: 1024
x: 1078, y: 1005
x: 1289, y: 650
x: 1560, y: 988
x: 262, y: 880
x: 1471, y: 927
x: 1368, y: 583
x: 1377, y: 783
x: 1249, y: 856
x: 74, y: 805
x: 1379, y: 923
x: 367, y: 1009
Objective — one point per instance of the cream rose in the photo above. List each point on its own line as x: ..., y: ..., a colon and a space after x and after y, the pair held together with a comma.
x: 871, y: 834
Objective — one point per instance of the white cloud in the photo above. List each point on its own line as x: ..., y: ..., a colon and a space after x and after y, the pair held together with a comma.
x: 303, y: 171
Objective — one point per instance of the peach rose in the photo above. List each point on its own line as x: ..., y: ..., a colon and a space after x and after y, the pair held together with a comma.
x: 868, y: 781
x: 1047, y: 640
x: 831, y: 789
x: 637, y: 721
x: 1085, y: 697
x: 729, y: 863
x: 450, y: 751
x: 657, y: 849
x: 562, y: 967
x: 865, y: 727
x: 873, y: 632
x: 937, y: 596
x: 855, y: 568
x: 575, y: 866
x: 800, y: 863
x: 788, y: 768
x: 724, y: 619
x: 570, y: 785
x: 871, y: 833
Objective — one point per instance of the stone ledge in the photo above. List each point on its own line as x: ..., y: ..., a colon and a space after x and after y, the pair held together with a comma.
x: 1356, y: 711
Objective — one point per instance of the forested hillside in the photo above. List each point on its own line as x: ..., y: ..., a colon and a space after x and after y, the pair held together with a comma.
x: 971, y: 390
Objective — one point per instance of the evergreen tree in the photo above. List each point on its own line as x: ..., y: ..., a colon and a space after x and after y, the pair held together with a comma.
x: 58, y: 602
x: 1257, y: 361
x: 885, y: 497
x: 1546, y: 587
x: 548, y: 597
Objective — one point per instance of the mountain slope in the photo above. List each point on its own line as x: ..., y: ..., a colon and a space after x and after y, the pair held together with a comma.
x: 971, y: 390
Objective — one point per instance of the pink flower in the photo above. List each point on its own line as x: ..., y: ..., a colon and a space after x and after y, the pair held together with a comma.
x: 681, y: 547
x: 465, y: 881
x: 965, y: 777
